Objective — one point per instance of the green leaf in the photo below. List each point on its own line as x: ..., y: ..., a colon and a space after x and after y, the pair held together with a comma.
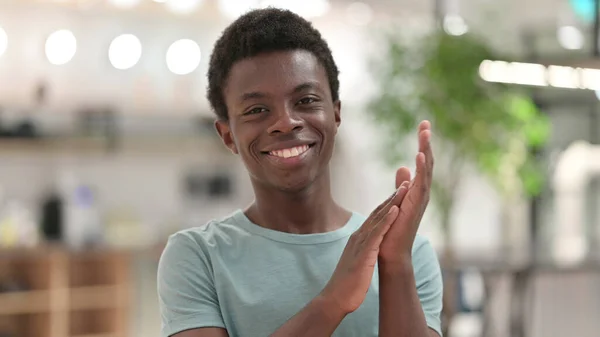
x: 523, y: 108
x: 490, y: 125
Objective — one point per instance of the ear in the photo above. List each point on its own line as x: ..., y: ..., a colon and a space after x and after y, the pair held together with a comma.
x: 337, y: 110
x: 224, y: 131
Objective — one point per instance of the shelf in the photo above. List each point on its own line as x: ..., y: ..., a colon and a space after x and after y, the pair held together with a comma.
x: 82, y: 298
x: 29, y: 272
x: 24, y: 302
x: 101, y: 322
x: 29, y: 325
x: 69, y: 294
x: 95, y: 297
x: 89, y: 146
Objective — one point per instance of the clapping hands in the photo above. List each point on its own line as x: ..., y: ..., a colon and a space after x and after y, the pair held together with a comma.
x: 396, y: 247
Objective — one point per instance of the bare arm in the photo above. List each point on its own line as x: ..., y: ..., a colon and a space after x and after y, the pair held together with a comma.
x: 203, y: 332
x: 400, y: 310
x: 399, y: 307
x: 410, y: 300
x: 347, y: 288
x: 320, y: 317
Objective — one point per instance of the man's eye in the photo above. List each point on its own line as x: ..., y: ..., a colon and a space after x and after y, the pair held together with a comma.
x: 254, y: 111
x: 307, y: 100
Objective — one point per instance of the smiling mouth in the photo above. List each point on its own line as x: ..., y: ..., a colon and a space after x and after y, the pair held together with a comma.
x: 290, y: 152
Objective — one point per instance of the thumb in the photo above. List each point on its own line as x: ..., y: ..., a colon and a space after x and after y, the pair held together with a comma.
x: 402, y: 175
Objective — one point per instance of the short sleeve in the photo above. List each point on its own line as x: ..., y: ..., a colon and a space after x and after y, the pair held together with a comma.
x: 428, y: 277
x: 186, y: 291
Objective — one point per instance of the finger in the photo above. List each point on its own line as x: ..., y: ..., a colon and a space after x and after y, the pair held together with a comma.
x: 418, y: 188
x: 401, y: 193
x: 402, y: 175
x: 424, y: 135
x: 382, y: 210
x: 378, y: 213
x: 423, y: 186
x: 392, y: 200
x: 384, y: 207
x: 425, y: 145
x: 421, y: 180
x: 381, y: 207
x: 376, y: 235
x: 425, y: 140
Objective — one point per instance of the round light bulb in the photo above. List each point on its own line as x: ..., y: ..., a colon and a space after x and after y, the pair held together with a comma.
x: 125, y: 51
x: 183, y: 57
x: 570, y: 38
x: 60, y: 47
x: 232, y: 9
x: 455, y: 25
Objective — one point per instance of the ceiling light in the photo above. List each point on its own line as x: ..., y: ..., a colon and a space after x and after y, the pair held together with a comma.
x: 305, y: 8
x: 570, y: 37
x: 232, y: 9
x: 183, y: 6
x: 540, y: 75
x: 125, y: 51
x: 563, y: 77
x: 455, y: 25
x: 124, y: 4
x: 183, y: 57
x: 61, y: 47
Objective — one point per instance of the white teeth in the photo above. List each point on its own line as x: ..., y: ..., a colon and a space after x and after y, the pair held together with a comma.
x: 291, y: 152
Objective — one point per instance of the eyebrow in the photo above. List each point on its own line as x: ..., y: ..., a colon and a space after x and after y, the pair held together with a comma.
x: 299, y: 88
x: 251, y: 95
x: 306, y: 86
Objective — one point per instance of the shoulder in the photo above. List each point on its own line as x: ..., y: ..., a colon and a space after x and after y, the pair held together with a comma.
x: 424, y: 255
x: 212, y: 233
x: 422, y: 245
x: 198, y: 242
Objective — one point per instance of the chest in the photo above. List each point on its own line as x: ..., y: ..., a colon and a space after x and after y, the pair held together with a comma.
x: 260, y: 289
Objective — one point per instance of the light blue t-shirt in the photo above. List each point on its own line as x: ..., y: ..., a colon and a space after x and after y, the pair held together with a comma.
x: 250, y: 280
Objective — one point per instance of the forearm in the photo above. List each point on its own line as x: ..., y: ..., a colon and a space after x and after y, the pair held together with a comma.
x: 400, y: 311
x: 318, y: 318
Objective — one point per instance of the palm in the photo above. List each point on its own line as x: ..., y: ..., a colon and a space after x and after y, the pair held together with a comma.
x: 353, y: 274
x: 357, y: 288
x: 401, y: 235
x: 401, y: 232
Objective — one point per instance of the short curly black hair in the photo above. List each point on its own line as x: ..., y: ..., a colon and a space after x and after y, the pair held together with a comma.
x: 261, y: 31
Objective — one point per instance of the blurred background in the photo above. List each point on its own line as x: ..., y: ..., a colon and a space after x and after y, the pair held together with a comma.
x: 107, y: 147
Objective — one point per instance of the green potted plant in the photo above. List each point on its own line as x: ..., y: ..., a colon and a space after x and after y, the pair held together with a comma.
x: 492, y: 127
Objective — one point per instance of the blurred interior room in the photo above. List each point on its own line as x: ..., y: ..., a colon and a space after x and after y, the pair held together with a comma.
x: 107, y: 147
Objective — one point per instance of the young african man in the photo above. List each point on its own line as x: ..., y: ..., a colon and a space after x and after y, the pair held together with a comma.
x: 294, y: 262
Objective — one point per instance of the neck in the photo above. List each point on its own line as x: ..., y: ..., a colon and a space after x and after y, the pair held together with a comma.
x: 311, y: 210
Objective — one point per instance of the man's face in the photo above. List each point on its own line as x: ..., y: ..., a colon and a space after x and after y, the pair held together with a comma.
x: 282, y: 120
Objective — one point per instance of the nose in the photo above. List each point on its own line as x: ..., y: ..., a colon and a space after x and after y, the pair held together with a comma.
x: 285, y: 121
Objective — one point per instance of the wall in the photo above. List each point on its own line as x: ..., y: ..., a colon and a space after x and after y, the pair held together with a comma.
x: 89, y: 77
